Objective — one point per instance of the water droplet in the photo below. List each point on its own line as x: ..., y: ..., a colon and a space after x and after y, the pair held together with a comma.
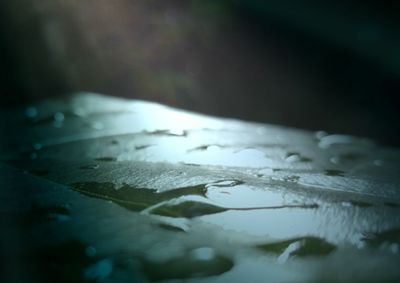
x: 78, y: 111
x: 336, y: 160
x: 100, y: 270
x: 37, y: 146
x: 292, y: 178
x: 296, y: 157
x: 379, y: 162
x: 351, y: 157
x: 394, y: 248
x: 265, y: 171
x: 292, y: 248
x: 90, y: 251
x: 293, y: 158
x: 328, y: 141
x: 97, y: 125
x: 59, y: 117
x: 205, y: 253
x: 31, y: 112
x: 320, y: 134
x: 346, y: 204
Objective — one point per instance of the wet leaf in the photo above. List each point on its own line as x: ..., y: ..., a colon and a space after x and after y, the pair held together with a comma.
x: 217, y: 183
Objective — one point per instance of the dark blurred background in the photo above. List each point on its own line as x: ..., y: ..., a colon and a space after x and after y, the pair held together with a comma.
x: 331, y: 65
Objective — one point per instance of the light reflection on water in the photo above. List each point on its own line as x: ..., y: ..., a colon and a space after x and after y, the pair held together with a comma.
x: 170, y: 152
x: 279, y: 224
x: 243, y: 196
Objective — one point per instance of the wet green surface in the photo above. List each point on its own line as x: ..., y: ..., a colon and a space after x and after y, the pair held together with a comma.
x: 137, y: 192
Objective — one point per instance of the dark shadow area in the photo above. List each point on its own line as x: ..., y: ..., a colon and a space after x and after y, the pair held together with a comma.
x: 313, y: 65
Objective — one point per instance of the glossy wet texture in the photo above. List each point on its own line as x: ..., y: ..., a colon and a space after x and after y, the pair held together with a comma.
x: 138, y: 192
x: 135, y: 199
